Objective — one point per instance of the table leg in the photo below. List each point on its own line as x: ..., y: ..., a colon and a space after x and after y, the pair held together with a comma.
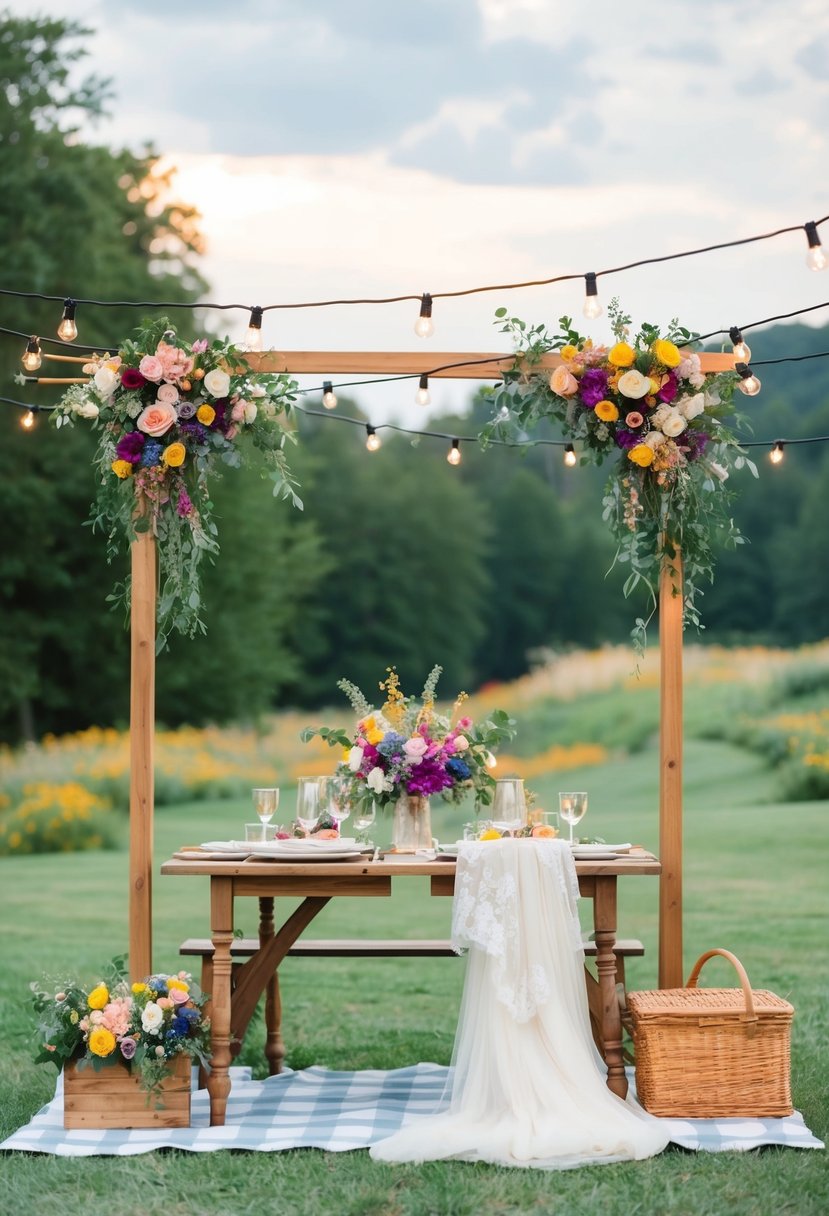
x: 274, y: 1044
x: 221, y: 929
x: 604, y: 922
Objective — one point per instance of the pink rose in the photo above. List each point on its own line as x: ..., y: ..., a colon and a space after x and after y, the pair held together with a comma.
x: 415, y: 748
x: 164, y: 1002
x: 168, y: 393
x: 238, y: 412
x: 178, y: 996
x: 461, y: 743
x: 151, y: 368
x: 634, y: 419
x: 156, y: 419
x: 231, y: 432
x: 563, y: 382
x: 175, y: 364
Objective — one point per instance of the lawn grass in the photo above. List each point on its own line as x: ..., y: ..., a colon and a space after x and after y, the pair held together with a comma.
x: 755, y: 882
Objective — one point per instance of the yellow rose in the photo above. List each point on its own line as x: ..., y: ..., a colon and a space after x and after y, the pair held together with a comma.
x: 641, y: 455
x: 174, y: 454
x: 568, y: 352
x: 205, y: 414
x: 121, y: 468
x: 606, y: 410
x: 621, y: 355
x: 139, y: 988
x: 101, y: 1042
x: 98, y: 997
x: 666, y: 353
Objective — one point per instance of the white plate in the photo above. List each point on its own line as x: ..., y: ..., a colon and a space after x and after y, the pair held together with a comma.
x: 594, y: 855
x: 294, y: 855
x: 303, y: 844
x: 206, y: 855
x: 600, y: 848
x: 227, y: 846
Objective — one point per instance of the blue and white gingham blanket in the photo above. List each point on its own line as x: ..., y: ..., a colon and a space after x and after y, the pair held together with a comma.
x: 338, y: 1111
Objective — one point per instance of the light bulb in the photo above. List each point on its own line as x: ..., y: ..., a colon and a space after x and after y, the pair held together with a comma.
x: 68, y: 330
x: 31, y: 356
x: 454, y: 453
x: 742, y: 351
x: 373, y: 440
x: 28, y: 420
x: 816, y: 258
x: 748, y: 382
x: 422, y: 395
x: 776, y: 453
x: 569, y: 455
x: 253, y: 338
x: 592, y: 305
x: 329, y: 397
x: 423, y: 325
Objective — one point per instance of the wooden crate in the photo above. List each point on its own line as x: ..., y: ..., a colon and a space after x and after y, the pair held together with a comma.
x: 114, y: 1097
x: 709, y: 1053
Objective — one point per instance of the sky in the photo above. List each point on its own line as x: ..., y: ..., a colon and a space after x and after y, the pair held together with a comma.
x: 370, y: 148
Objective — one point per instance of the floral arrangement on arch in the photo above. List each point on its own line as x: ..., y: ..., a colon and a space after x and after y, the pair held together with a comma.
x: 407, y: 747
x: 645, y: 400
x: 170, y: 415
x: 145, y: 1024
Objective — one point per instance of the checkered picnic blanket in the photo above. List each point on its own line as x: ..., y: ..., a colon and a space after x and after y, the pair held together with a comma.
x: 338, y: 1111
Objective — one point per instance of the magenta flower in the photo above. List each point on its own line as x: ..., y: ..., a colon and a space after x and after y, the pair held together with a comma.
x: 130, y: 447
x: 593, y: 387
x: 132, y: 378
x: 669, y: 389
x: 184, y: 506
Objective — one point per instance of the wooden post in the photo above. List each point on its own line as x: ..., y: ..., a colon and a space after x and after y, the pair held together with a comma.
x: 670, y: 773
x: 142, y: 731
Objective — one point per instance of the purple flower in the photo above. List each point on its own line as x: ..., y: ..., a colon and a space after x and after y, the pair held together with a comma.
x: 180, y: 1026
x: 132, y: 378
x: 221, y: 422
x: 185, y: 410
x: 429, y: 777
x: 128, y: 1047
x: 130, y: 447
x: 593, y: 386
x: 195, y: 430
x: 668, y: 389
x: 695, y: 444
x: 184, y: 506
x: 626, y: 439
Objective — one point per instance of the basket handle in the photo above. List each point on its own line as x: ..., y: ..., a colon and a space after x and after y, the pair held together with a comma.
x: 749, y: 1015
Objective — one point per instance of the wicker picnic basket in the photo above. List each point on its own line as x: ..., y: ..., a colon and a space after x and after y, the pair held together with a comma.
x: 710, y: 1053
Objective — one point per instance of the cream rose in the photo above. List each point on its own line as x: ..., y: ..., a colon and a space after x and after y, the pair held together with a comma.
x: 105, y: 380
x: 461, y: 743
x: 691, y: 407
x: 88, y: 410
x: 151, y: 1017
x: 654, y: 440
x: 674, y: 424
x: 376, y: 780
x: 355, y: 758
x: 563, y: 382
x: 634, y: 385
x: 156, y: 419
x: 217, y: 382
x: 168, y: 393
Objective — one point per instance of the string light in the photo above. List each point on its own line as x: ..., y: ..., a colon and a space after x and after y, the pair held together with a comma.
x: 569, y: 455
x: 253, y: 337
x: 816, y: 258
x: 32, y: 355
x: 329, y: 397
x: 422, y: 395
x: 28, y: 420
x: 748, y: 382
x: 424, y: 327
x: 373, y: 440
x: 742, y: 351
x: 68, y: 330
x: 592, y: 305
x: 454, y: 453
x: 776, y: 453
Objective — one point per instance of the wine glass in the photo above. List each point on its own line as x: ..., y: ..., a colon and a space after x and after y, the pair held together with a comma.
x: 336, y: 799
x: 308, y: 802
x: 572, y: 808
x: 265, y: 802
x: 509, y: 808
x: 364, y: 817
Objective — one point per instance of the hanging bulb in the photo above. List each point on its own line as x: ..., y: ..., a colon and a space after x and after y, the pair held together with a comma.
x: 253, y: 338
x: 28, y: 420
x: 68, y: 330
x: 31, y: 356
x: 776, y: 453
x: 816, y: 258
x: 592, y: 305
x: 373, y: 440
x: 748, y: 382
x: 454, y: 453
x: 422, y: 395
x: 742, y: 351
x: 423, y: 325
x: 569, y: 455
x: 329, y: 397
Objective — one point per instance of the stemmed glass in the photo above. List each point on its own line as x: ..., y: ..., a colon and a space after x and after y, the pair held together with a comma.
x: 509, y: 808
x: 364, y: 817
x: 572, y: 808
x: 336, y: 800
x: 308, y: 802
x: 265, y: 802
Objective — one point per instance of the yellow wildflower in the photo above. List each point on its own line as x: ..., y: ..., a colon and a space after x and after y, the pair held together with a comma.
x: 205, y: 414
x: 139, y: 988
x: 121, y: 468
x: 641, y: 455
x: 98, y: 997
x: 101, y: 1041
x: 606, y: 410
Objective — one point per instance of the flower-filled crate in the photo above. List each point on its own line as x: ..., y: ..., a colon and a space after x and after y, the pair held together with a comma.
x: 115, y: 1096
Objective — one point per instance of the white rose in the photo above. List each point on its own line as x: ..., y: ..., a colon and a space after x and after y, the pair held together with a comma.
x: 719, y: 470
x: 691, y: 407
x: 87, y: 409
x: 660, y: 415
x: 256, y: 390
x: 355, y: 758
x: 634, y: 385
x: 168, y: 393
x: 674, y: 425
x: 712, y: 397
x: 105, y: 380
x: 217, y: 382
x: 250, y: 411
x: 654, y: 440
x: 151, y: 1017
x: 376, y: 781
x: 461, y: 743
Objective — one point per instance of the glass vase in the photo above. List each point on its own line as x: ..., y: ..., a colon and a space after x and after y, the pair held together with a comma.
x: 412, y: 828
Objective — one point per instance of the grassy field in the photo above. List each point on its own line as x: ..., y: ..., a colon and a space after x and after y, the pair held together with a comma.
x: 755, y: 882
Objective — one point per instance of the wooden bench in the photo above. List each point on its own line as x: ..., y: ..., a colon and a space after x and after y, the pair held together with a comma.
x: 244, y: 947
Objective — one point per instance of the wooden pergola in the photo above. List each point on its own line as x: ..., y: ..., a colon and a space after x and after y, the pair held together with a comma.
x: 467, y: 366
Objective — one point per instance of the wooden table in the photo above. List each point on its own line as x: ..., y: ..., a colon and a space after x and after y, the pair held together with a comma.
x: 315, y: 883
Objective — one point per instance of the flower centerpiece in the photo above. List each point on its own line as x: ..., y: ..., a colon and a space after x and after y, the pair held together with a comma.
x: 407, y: 750
x: 170, y: 414
x: 645, y: 400
x: 146, y: 1025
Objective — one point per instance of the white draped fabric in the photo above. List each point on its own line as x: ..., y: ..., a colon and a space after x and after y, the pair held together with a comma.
x: 529, y: 1087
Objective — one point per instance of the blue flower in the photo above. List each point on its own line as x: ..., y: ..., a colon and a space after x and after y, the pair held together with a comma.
x: 459, y: 769
x: 151, y: 453
x: 391, y: 744
x: 179, y: 1028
